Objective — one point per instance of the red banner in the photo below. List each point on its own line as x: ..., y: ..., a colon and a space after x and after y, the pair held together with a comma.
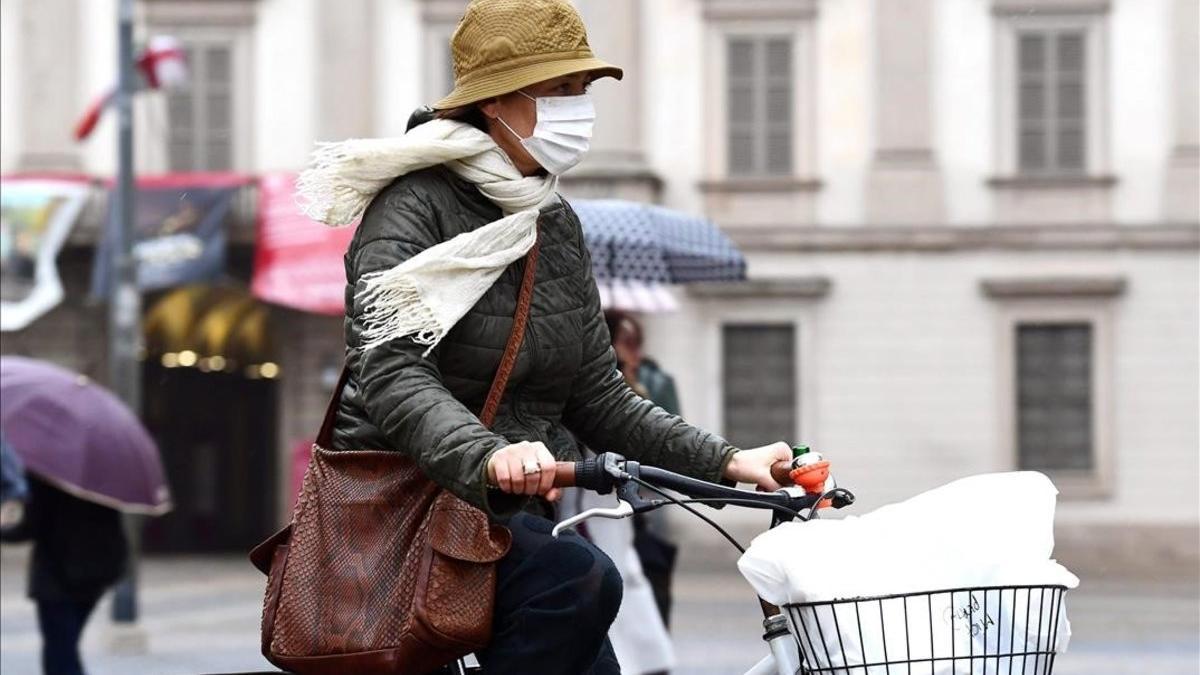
x: 297, y: 261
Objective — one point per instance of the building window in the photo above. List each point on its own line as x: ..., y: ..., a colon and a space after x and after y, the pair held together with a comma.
x: 760, y: 111
x: 1055, y: 376
x: 200, y: 116
x: 759, y: 105
x: 1051, y: 92
x: 759, y: 383
x: 439, y: 68
x: 1051, y: 101
x: 1054, y: 397
x: 440, y: 19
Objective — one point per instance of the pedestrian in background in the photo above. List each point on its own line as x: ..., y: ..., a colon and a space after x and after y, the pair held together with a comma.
x: 656, y: 548
x: 79, y: 551
x: 639, y: 633
x: 14, y: 488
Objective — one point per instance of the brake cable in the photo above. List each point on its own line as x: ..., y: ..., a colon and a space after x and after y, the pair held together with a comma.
x: 694, y: 512
x: 747, y: 502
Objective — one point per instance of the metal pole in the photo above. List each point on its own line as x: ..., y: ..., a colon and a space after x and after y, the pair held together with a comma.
x: 125, y: 302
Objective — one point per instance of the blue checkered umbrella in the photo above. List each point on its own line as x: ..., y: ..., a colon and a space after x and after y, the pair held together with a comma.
x: 637, y: 242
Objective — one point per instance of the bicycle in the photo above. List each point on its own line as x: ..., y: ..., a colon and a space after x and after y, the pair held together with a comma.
x: 799, y: 637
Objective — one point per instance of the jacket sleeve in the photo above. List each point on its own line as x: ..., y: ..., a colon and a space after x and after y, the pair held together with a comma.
x: 403, y: 391
x: 609, y: 416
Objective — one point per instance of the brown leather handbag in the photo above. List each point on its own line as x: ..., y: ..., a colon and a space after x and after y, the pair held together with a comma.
x: 381, y: 570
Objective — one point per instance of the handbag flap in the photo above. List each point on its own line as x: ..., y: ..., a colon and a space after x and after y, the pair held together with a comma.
x: 462, y: 532
x: 261, y: 555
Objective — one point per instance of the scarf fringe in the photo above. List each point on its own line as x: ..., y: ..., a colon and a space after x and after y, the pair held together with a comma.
x: 343, y: 177
x: 335, y: 189
x: 393, y: 308
x: 423, y: 297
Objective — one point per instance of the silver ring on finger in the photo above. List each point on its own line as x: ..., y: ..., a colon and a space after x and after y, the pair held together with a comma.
x: 532, y: 467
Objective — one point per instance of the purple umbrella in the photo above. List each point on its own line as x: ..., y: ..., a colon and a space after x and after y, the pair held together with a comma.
x: 79, y: 437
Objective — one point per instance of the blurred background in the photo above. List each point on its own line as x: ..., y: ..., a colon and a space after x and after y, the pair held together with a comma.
x: 972, y: 230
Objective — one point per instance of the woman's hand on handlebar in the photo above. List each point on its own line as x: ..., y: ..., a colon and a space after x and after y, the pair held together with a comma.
x: 754, y: 465
x: 510, y: 469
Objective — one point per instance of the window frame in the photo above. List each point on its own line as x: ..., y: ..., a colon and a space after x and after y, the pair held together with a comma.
x: 439, y: 19
x: 1007, y: 30
x: 1044, y: 360
x: 1051, y: 121
x: 760, y: 127
x: 1097, y: 483
x: 718, y: 311
x: 153, y: 144
x: 794, y: 433
x: 201, y: 128
x: 437, y: 61
x: 799, y: 28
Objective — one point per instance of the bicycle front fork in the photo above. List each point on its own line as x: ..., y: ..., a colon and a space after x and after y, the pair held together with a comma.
x: 783, y: 646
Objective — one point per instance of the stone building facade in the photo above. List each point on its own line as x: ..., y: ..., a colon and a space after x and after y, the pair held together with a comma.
x: 972, y: 226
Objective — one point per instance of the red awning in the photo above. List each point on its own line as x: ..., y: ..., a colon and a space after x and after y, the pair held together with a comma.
x: 297, y: 261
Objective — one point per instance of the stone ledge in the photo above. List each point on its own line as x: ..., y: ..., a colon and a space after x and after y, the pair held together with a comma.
x: 1056, y: 287
x: 945, y: 239
x: 733, y: 10
x: 805, y: 287
x: 760, y: 184
x: 1101, y: 182
x: 1049, y: 7
x: 203, y: 12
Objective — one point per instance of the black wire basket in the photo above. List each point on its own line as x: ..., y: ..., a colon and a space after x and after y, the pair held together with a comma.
x: 1000, y: 630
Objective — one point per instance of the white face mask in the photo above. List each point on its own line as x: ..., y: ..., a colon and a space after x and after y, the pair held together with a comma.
x: 563, y: 132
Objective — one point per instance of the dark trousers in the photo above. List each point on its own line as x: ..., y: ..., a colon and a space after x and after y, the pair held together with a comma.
x: 61, y: 623
x: 555, y: 599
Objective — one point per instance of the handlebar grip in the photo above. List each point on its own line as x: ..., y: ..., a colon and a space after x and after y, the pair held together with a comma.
x: 587, y: 474
x: 781, y: 472
x: 564, y: 474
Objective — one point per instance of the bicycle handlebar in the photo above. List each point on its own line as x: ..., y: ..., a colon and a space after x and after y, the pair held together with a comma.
x: 567, y: 474
x: 590, y: 474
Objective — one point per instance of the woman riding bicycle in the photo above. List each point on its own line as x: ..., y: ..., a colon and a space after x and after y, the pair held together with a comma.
x: 433, y: 275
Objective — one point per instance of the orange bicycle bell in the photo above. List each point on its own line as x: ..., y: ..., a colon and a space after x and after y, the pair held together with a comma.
x: 810, y: 470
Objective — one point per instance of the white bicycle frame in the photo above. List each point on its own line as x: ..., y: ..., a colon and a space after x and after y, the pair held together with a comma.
x: 784, y: 657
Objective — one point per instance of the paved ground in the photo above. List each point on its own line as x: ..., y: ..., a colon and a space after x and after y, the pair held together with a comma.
x: 200, y: 615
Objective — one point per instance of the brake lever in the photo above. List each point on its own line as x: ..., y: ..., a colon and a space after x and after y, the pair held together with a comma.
x: 629, y: 500
x: 623, y: 509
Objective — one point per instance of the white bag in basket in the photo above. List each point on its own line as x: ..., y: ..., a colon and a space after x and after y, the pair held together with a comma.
x: 983, y: 531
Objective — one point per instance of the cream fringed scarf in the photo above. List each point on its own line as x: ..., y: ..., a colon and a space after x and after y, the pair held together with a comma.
x: 427, y: 294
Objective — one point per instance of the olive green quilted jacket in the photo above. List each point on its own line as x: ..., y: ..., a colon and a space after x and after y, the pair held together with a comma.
x: 565, y: 385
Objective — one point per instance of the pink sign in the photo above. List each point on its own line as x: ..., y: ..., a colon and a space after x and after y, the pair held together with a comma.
x: 297, y: 261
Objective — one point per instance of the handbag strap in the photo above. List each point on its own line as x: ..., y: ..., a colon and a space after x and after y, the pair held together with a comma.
x: 507, y: 361
x: 515, y: 338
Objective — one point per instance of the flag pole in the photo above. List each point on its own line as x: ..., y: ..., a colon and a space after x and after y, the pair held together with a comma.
x: 125, y: 302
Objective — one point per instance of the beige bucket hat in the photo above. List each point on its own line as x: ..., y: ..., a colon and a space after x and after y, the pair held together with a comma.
x: 501, y: 46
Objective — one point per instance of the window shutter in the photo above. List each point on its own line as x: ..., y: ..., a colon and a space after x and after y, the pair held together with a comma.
x: 759, y: 381
x: 741, y: 108
x: 759, y: 105
x: 181, y: 121
x: 1054, y: 397
x: 200, y: 116
x: 218, y: 113
x: 778, y: 106
x: 1051, y: 102
x: 1070, y: 141
x: 1032, y: 102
